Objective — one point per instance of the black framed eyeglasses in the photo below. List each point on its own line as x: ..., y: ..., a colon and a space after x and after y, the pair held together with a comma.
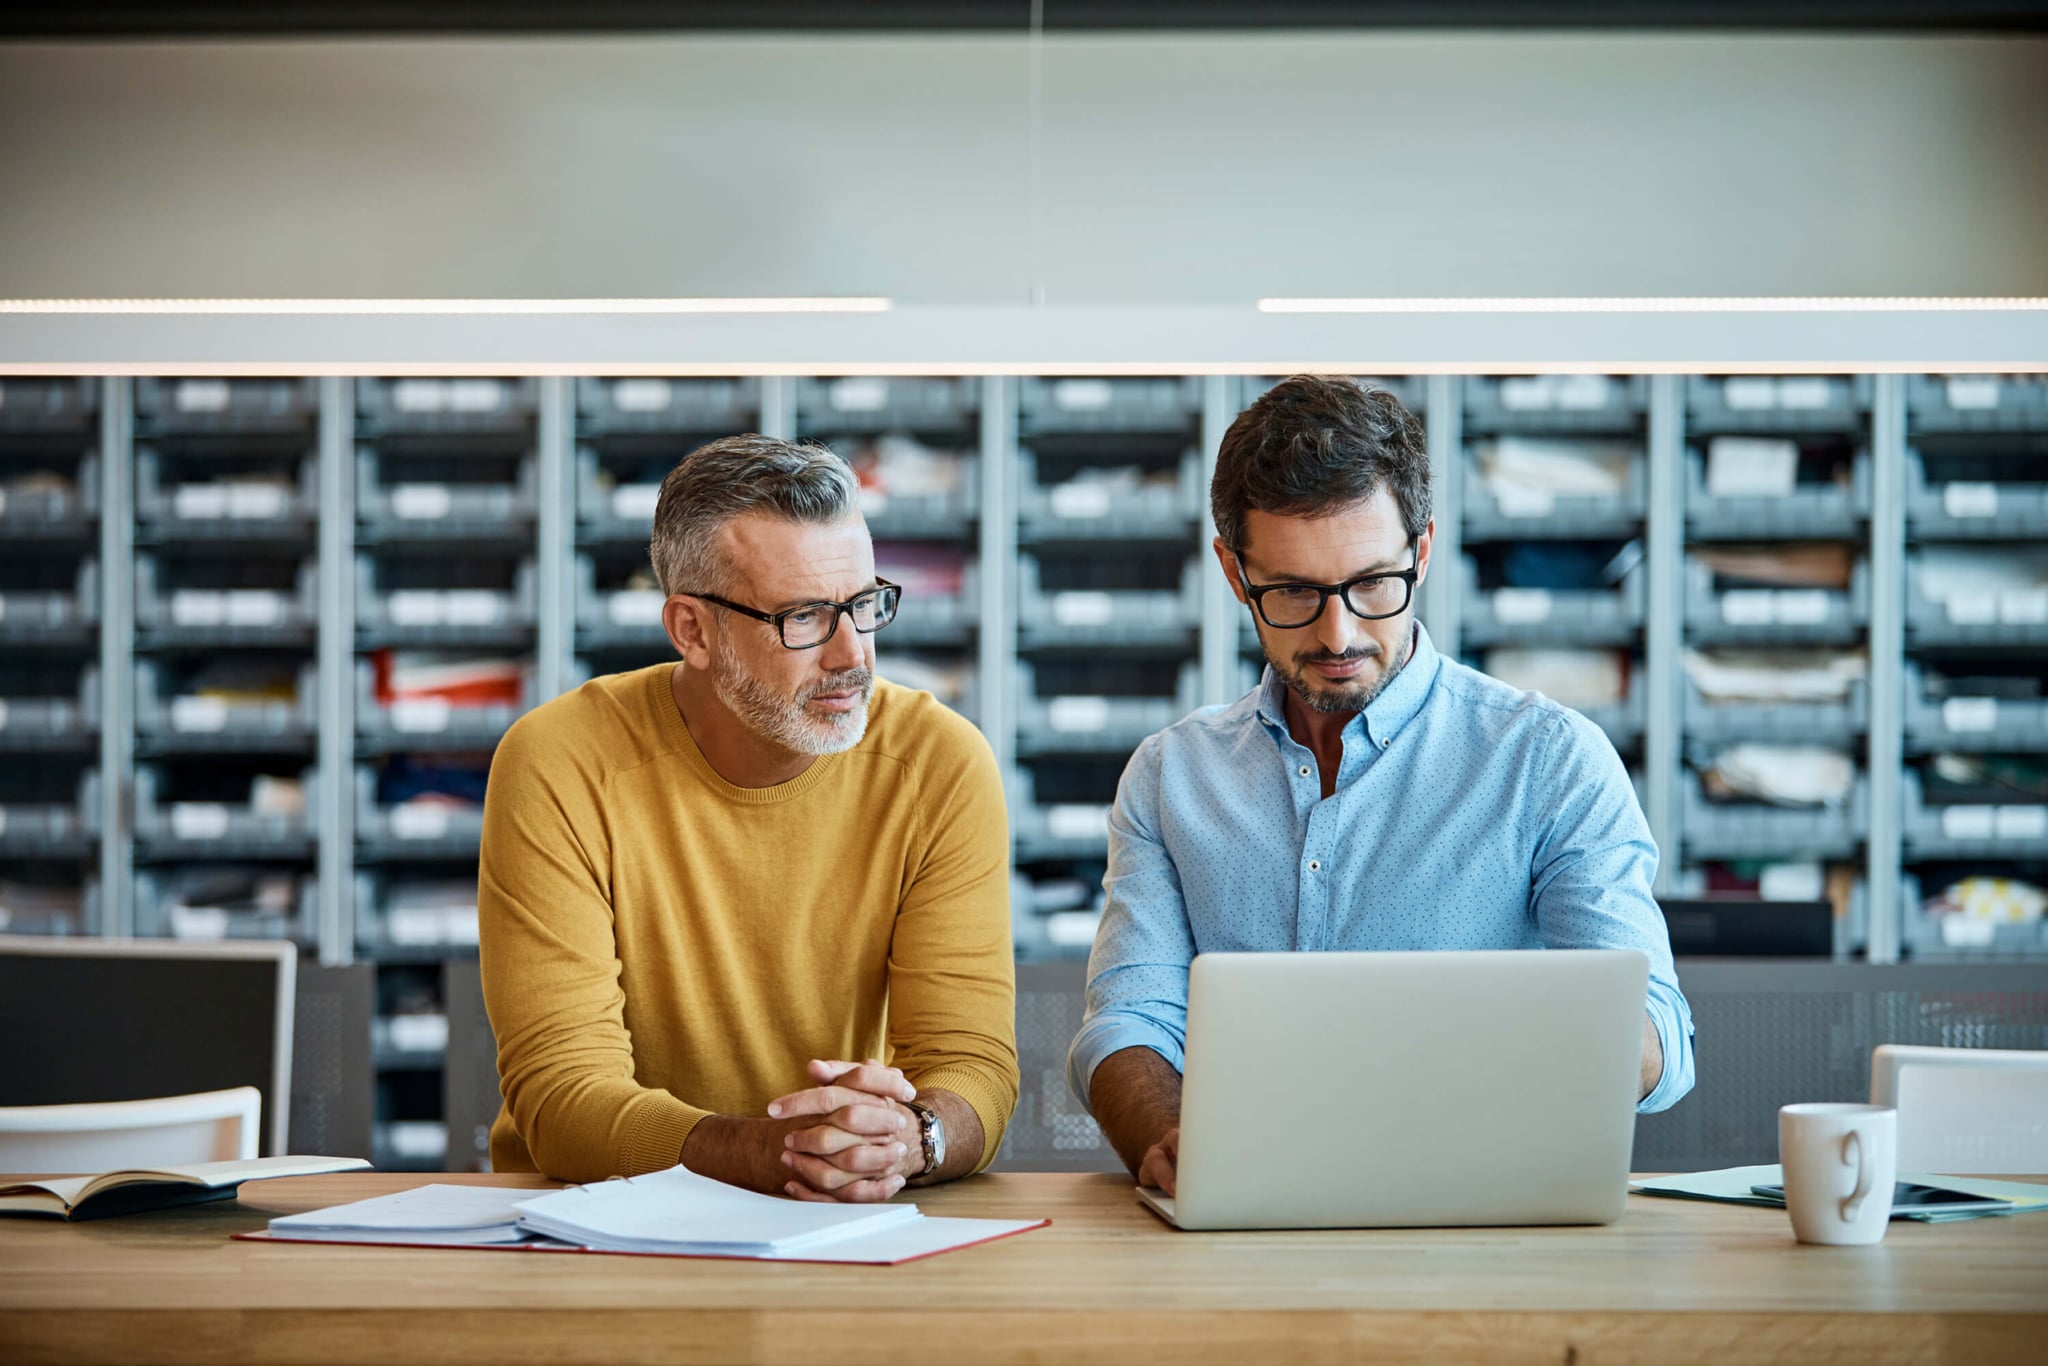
x: 1371, y: 597
x: 809, y: 625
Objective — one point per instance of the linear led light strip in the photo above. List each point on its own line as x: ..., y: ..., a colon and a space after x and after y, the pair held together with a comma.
x: 1678, y: 305
x: 445, y: 306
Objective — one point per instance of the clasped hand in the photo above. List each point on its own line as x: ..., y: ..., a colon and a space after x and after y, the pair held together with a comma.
x: 864, y: 1143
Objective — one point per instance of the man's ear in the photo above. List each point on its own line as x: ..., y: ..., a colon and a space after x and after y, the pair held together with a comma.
x: 1423, y: 543
x: 1232, y: 571
x: 688, y: 623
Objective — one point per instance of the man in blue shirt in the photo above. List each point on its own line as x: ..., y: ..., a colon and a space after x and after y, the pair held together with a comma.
x: 1369, y: 794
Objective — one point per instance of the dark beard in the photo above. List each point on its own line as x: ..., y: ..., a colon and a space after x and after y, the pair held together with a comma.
x: 1332, y: 703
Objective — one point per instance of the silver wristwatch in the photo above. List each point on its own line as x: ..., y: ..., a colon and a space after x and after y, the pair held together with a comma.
x: 931, y: 1132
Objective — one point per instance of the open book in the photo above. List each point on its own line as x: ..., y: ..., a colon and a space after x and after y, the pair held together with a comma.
x: 127, y: 1192
x: 667, y: 1213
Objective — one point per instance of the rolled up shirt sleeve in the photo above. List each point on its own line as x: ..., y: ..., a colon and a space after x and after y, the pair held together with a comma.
x: 1138, y: 970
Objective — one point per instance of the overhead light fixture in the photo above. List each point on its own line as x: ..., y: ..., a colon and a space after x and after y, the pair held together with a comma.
x: 1675, y: 305
x: 449, y: 307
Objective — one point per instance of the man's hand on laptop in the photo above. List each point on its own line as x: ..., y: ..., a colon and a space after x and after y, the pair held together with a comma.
x: 1161, y: 1158
x: 864, y: 1142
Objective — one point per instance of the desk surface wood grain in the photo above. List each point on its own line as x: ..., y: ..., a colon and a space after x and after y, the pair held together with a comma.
x: 1107, y: 1282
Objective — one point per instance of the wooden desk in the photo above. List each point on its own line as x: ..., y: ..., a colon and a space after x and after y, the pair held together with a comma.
x: 1674, y: 1280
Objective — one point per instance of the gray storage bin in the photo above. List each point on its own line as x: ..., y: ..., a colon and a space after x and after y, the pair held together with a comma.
x: 926, y: 516
x: 389, y: 933
x: 53, y: 915
x: 1774, y: 404
x: 39, y: 615
x: 219, y: 830
x: 412, y: 831
x: 169, y: 905
x: 936, y: 619
x: 612, y: 514
x: 1084, y: 511
x: 454, y: 407
x: 1055, y: 830
x: 1972, y: 725
x: 166, y: 722
x: 52, y: 830
x: 1777, y: 723
x: 428, y: 723
x: 1597, y: 517
x: 633, y: 404
x: 863, y: 404
x: 1773, y: 616
x: 1811, y: 512
x: 1621, y: 721
x: 1851, y: 930
x: 31, y: 403
x: 167, y: 614
x: 47, y: 723
x: 59, y: 512
x: 2016, y: 830
x: 1166, y: 404
x: 1131, y: 616
x: 1975, y: 510
x: 1977, y: 403
x: 214, y: 510
x: 201, y: 406
x: 1541, y: 616
x: 435, y: 617
x: 1758, y: 830
x: 1097, y: 724
x: 1950, y: 939
x: 1996, y: 620
x: 444, y: 511
x: 1554, y: 403
x: 608, y: 619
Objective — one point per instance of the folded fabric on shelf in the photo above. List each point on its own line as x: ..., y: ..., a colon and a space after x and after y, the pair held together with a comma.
x: 1825, y: 564
x: 1990, y: 778
x: 1577, y: 678
x: 1517, y: 468
x: 1752, y: 466
x: 455, y: 780
x: 1783, y: 775
x: 1949, y: 572
x: 456, y: 679
x: 904, y: 467
x: 1774, y: 675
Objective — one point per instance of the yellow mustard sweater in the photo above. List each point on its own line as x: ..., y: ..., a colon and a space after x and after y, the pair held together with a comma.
x: 659, y: 945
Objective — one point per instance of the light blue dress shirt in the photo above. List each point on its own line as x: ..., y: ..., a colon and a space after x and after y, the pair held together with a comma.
x: 1466, y: 815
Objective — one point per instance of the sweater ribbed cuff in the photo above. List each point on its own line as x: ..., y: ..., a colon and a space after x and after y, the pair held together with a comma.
x: 653, y: 1140
x: 991, y: 1106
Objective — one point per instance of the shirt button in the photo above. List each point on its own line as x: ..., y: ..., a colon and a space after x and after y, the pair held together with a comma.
x: 1304, y: 770
x: 1315, y: 865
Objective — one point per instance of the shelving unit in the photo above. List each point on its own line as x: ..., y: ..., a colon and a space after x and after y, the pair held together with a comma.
x: 351, y: 588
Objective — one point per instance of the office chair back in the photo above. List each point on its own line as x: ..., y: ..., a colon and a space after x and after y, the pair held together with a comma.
x: 211, y: 1126
x: 1966, y: 1111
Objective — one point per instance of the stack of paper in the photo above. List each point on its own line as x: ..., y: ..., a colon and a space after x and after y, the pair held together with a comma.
x: 1736, y: 1186
x: 451, y: 1216
x: 678, y: 1211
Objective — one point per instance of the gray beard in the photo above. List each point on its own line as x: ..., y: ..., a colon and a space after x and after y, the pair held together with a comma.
x: 1339, y: 700
x: 782, y: 721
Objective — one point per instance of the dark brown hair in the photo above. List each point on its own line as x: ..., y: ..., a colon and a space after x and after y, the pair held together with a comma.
x: 1314, y: 445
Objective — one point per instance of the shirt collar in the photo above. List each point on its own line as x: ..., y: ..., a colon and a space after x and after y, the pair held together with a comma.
x: 1394, y: 708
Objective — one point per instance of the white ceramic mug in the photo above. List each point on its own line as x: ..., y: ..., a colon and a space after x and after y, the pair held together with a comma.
x: 1840, y: 1163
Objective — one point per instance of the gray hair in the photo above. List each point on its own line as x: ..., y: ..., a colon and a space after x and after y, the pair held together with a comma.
x: 798, y: 481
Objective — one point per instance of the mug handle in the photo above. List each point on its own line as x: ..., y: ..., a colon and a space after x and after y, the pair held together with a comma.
x: 1854, y: 1204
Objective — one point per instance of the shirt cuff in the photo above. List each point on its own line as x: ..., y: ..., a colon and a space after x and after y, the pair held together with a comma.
x: 1673, y: 1021
x: 1107, y: 1034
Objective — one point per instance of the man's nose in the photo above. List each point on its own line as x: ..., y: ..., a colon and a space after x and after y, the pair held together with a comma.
x: 843, y: 651
x: 1336, y: 628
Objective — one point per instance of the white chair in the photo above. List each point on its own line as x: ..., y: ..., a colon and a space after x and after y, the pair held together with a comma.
x: 1965, y: 1111
x: 210, y: 1126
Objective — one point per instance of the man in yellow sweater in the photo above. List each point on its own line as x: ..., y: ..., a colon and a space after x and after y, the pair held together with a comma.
x: 709, y: 889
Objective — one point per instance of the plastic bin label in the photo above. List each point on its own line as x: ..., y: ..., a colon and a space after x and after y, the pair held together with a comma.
x: 1746, y: 394
x: 3, y: 713
x: 1083, y: 395
x: 1078, y: 715
x: 1584, y: 391
x: 256, y: 501
x: 2023, y: 606
x: 1521, y: 606
x: 636, y: 502
x: 420, y: 502
x: 1083, y: 609
x: 1080, y: 500
x: 420, y: 715
x: 255, y: 607
x: 1969, y: 822
x: 198, y: 714
x: 873, y: 502
x: 635, y: 607
x: 418, y: 1033
x: 1516, y: 500
x: 471, y: 606
x: 200, y: 396
x: 198, y: 922
x: 1969, y: 714
x: 1967, y: 932
x: 190, y: 607
x: 1966, y: 610
x: 419, y: 396
x: 200, y: 502
x: 412, y: 925
x: 1527, y: 395
x: 858, y: 394
x: 419, y: 822
x: 199, y: 821
x: 1968, y: 392
x: 413, y: 607
x: 1800, y: 606
x: 1963, y: 499
x: 1804, y: 393
x: 642, y: 395
x: 2020, y: 823
x: 1077, y: 822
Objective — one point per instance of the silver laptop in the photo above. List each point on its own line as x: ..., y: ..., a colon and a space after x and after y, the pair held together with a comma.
x: 1400, y: 1090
